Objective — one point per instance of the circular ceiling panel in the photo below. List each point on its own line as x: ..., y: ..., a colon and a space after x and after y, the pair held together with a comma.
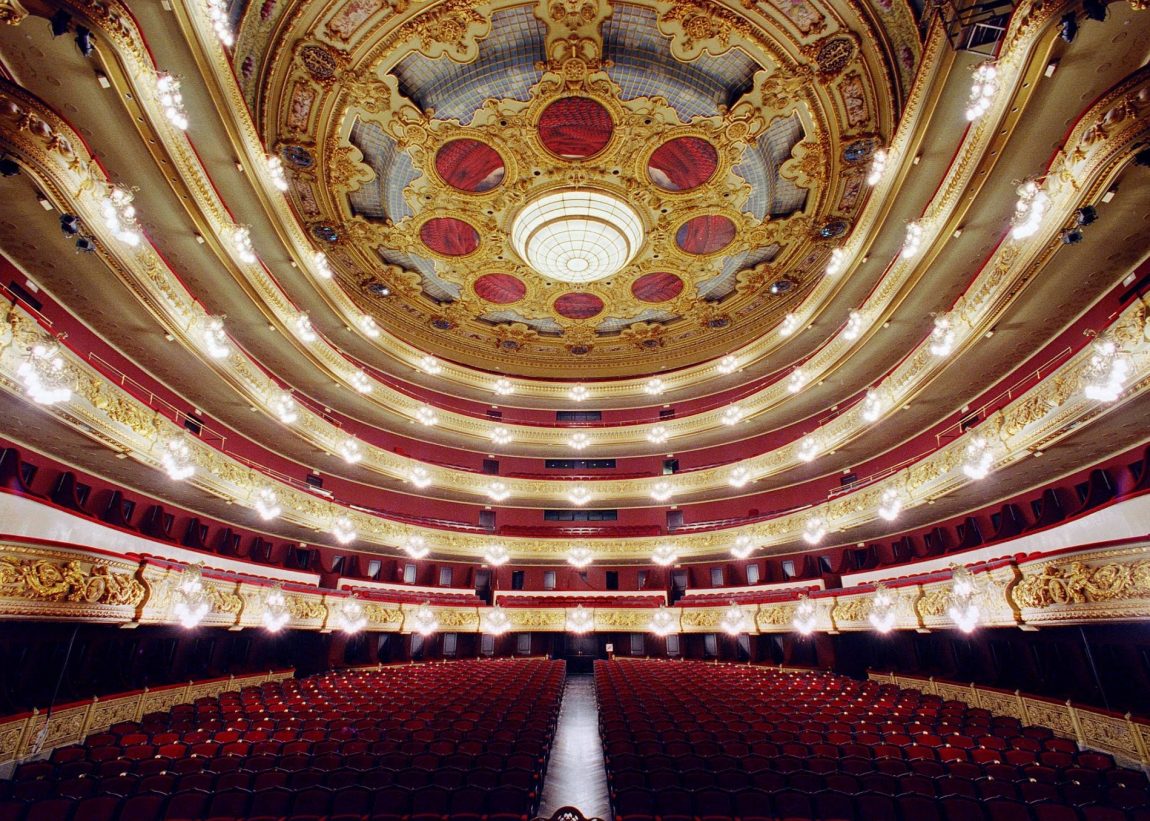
x: 578, y: 306
x: 577, y: 235
x: 501, y: 289
x: 657, y: 287
x: 449, y: 237
x: 575, y: 128
x: 683, y: 163
x: 469, y: 165
x: 705, y: 235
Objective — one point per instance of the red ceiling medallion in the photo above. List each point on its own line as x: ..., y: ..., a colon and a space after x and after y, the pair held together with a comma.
x: 683, y: 163
x: 469, y: 165
x: 449, y: 236
x: 578, y: 306
x: 658, y: 287
x: 502, y: 289
x: 575, y: 128
x: 705, y: 235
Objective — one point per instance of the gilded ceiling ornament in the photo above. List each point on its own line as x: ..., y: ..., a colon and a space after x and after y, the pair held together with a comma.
x: 346, y: 169
x: 511, y: 336
x: 451, y: 29
x: 322, y: 62
x: 644, y: 335
x: 832, y: 54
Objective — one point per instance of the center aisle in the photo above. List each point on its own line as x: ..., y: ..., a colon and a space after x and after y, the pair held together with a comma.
x: 576, y: 773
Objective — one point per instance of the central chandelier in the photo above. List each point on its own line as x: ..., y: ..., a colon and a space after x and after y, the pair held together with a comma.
x: 577, y: 235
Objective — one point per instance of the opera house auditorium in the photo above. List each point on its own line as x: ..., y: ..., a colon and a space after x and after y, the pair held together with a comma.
x: 575, y: 410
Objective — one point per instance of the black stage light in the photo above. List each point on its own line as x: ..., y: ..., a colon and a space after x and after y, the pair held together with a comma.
x: 84, y: 41
x: 1086, y: 215
x: 8, y: 167
x: 1094, y: 9
x: 1142, y: 158
x: 69, y: 224
x: 85, y: 245
x: 1068, y: 28
x: 1071, y: 236
x: 61, y: 21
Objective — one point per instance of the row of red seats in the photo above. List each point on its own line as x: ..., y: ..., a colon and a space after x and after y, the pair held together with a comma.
x: 948, y: 753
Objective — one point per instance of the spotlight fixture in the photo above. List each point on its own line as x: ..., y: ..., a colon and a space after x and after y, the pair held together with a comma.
x: 172, y: 101
x: 743, y: 547
x: 942, y: 336
x: 1142, y: 158
x: 351, y: 616
x: 978, y: 458
x: 176, y: 457
x: 854, y: 326
x: 734, y: 620
x: 814, y: 529
x: 283, y: 406
x: 276, y: 612
x: 877, y: 167
x: 1086, y: 215
x: 85, y: 245
x: 890, y: 505
x: 580, y: 556
x: 191, y: 603
x: 69, y: 224
x: 913, y: 241
x: 1068, y: 27
x: 322, y: 265
x: 982, y: 90
x: 806, y: 616
x: 503, y: 387
x: 873, y: 405
x: 1033, y: 203
x: 664, y: 622
x: 368, y: 326
x: 343, y: 529
x: 882, y: 610
x: 45, y: 375
x: 665, y: 555
x: 1106, y: 372
x: 9, y: 167
x: 739, y: 477
x: 658, y: 435
x: 963, y: 610
x: 214, y: 337
x: 662, y: 491
x: 731, y: 415
x: 1094, y: 10
x: 1070, y: 236
x: 84, y: 41
x: 266, y: 503
x: 837, y: 262
x: 496, y: 555
x: 304, y: 329
x: 728, y: 364
x: 416, y: 547
x: 275, y: 168
x: 579, y: 495
x: 496, y: 622
x: 61, y: 23
x: 350, y: 450
x: 580, y: 620
x: 241, y: 239
x: 420, y: 478
x: 498, y: 491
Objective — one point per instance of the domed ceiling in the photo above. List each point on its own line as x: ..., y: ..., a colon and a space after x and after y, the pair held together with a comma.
x: 576, y: 188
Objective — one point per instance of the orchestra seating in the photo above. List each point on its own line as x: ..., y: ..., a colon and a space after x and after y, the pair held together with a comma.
x: 468, y: 739
x: 688, y: 740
